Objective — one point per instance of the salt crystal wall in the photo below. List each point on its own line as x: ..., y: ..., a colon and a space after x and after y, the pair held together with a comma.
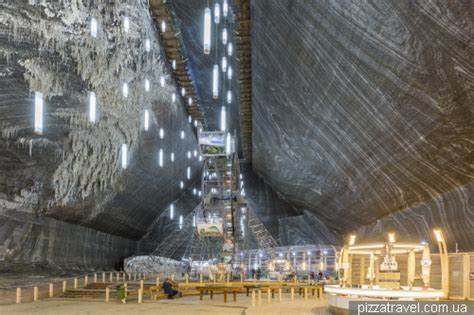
x: 363, y: 113
x: 68, y: 183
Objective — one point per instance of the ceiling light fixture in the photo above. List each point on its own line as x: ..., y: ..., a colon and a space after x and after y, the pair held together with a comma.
x: 207, y: 31
x: 215, y: 82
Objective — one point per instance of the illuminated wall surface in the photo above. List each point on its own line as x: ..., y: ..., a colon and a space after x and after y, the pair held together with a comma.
x: 362, y: 122
x: 64, y: 197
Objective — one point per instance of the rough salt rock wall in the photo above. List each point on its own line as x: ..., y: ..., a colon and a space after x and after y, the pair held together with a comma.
x: 72, y: 172
x: 363, y: 109
x: 27, y: 241
x: 306, y: 229
x: 452, y: 211
x: 269, y: 206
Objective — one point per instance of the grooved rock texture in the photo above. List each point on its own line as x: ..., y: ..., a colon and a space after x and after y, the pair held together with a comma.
x: 48, y: 243
x: 72, y: 172
x: 363, y: 112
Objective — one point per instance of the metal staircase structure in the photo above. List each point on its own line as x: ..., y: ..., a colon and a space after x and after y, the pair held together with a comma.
x: 264, y: 239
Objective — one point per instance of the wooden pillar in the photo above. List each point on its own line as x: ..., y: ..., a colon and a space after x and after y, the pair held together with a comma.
x: 295, y: 279
x: 259, y: 297
x: 141, y: 285
x: 125, y: 285
x: 187, y: 278
x: 134, y: 276
x: 200, y: 278
x: 86, y: 281
x: 95, y: 278
x: 292, y: 290
x: 35, y: 294
x: 111, y: 277
x: 362, y: 270
x: 253, y: 297
x: 64, y: 285
x: 117, y: 274
x: 18, y: 295
x: 75, y: 283
x: 279, y: 295
x: 305, y: 293
x: 129, y: 276
x: 269, y: 295
x: 107, y: 294
x: 466, y: 270
x: 140, y: 296
x: 51, y: 290
x: 157, y: 281
x: 103, y: 277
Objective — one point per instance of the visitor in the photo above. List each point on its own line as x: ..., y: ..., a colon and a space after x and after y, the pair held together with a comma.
x: 320, y: 276
x: 168, y: 288
x: 312, y: 278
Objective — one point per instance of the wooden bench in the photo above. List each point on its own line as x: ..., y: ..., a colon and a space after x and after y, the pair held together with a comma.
x: 223, y: 289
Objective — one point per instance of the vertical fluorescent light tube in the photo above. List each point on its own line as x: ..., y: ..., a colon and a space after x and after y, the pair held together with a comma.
x: 207, y: 31
x: 39, y: 113
x: 230, y: 49
x: 147, y: 85
x: 172, y: 156
x: 225, y: 8
x: 223, y: 119
x: 124, y: 156
x: 229, y: 97
x: 194, y: 191
x: 189, y: 154
x: 160, y: 158
x: 227, y: 144
x: 195, y: 123
x: 194, y: 221
x: 180, y: 222
x: 147, y: 118
x: 92, y: 107
x: 182, y: 134
x: 163, y: 26
x: 171, y: 211
x: 195, y: 153
x: 93, y: 27
x: 181, y: 184
x: 224, y: 36
x: 173, y: 97
x: 224, y: 64
x: 190, y: 119
x: 183, y: 91
x: 125, y: 90
x: 173, y: 64
x: 126, y: 24
x: 215, y: 82
x: 188, y: 172
x: 217, y: 13
x: 229, y: 73
x: 162, y: 81
x: 147, y: 45
x: 162, y: 133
